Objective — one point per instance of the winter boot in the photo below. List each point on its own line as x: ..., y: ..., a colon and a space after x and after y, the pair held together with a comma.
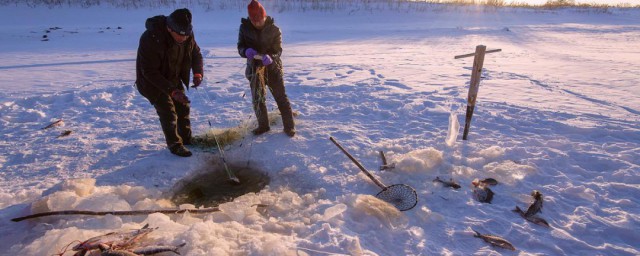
x: 290, y: 132
x: 180, y: 150
x: 261, y: 130
x: 287, y: 118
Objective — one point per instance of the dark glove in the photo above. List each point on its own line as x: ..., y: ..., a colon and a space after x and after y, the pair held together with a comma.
x: 179, y: 96
x: 250, y: 53
x: 197, y: 79
x: 266, y: 60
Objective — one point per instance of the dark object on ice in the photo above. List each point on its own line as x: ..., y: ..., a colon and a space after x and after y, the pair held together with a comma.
x: 536, y: 206
x: 402, y: 196
x: 385, y: 165
x: 532, y: 218
x: 44, y: 36
x: 65, y: 133
x: 449, y: 183
x: 490, y: 181
x: 482, y: 192
x: 105, y: 250
x: 153, y: 249
x: 116, y: 213
x: 495, y: 240
x: 119, y: 27
x: 54, y: 124
x: 533, y: 209
x: 180, y: 150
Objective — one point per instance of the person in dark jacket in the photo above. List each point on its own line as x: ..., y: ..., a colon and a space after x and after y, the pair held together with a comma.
x: 167, y: 53
x: 259, y: 36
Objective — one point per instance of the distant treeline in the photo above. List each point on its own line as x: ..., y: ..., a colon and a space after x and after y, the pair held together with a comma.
x: 309, y: 5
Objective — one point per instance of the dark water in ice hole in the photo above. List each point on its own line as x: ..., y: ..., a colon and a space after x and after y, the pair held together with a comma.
x: 211, y: 186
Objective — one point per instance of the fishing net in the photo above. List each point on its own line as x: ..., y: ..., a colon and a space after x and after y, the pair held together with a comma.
x: 401, y: 196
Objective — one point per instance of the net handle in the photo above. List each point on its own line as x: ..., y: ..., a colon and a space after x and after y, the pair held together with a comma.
x: 376, y: 181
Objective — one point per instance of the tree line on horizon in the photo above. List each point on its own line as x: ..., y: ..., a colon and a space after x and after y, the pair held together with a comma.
x: 314, y: 5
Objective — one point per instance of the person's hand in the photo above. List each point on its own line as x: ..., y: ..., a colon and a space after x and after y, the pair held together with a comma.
x: 250, y: 53
x: 266, y: 60
x: 179, y: 96
x: 197, y: 80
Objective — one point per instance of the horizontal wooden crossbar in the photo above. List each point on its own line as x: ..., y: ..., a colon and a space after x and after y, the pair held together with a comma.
x: 474, y: 54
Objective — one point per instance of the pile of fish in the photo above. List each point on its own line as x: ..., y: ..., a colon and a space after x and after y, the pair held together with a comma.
x: 126, y: 243
x: 484, y: 194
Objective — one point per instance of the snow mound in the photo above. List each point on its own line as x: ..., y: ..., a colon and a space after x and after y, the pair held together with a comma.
x: 421, y: 160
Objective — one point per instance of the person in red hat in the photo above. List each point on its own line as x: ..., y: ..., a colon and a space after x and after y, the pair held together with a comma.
x: 167, y: 53
x: 260, y: 41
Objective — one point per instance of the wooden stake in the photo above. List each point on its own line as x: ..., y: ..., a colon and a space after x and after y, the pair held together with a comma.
x: 474, y: 85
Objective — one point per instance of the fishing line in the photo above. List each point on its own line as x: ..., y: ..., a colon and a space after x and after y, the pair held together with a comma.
x: 259, y: 89
x: 230, y: 174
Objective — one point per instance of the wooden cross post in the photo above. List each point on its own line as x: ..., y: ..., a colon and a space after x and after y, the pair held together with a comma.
x: 474, y: 85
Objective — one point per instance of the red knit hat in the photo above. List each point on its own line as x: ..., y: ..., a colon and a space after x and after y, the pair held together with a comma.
x: 256, y: 11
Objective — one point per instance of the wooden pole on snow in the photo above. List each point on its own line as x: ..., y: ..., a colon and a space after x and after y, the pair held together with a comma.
x: 474, y: 85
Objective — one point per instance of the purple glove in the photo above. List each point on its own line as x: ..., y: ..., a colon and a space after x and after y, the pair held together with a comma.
x: 266, y: 60
x: 179, y: 96
x: 250, y: 53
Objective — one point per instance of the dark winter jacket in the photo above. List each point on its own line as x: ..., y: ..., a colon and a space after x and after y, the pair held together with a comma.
x: 154, y: 70
x: 268, y: 40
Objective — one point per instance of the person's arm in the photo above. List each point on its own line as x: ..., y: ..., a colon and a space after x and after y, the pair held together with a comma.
x: 196, y: 59
x: 242, y: 47
x: 276, y: 45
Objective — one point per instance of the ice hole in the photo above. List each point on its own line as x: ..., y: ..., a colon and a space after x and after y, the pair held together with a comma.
x: 211, y: 185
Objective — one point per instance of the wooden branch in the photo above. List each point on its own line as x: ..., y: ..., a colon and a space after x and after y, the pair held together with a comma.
x: 117, y: 213
x: 384, y: 159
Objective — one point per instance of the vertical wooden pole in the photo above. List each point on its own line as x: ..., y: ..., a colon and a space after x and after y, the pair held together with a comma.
x: 474, y: 85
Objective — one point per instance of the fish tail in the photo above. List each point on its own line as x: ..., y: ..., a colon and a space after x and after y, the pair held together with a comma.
x: 178, y: 247
x: 517, y: 209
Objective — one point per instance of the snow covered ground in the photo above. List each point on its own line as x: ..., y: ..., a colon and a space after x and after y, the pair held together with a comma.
x: 558, y: 111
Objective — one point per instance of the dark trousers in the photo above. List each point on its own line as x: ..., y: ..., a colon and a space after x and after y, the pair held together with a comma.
x: 273, y: 79
x: 174, y: 119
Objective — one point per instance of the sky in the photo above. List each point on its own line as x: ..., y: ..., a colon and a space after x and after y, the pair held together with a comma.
x: 557, y: 112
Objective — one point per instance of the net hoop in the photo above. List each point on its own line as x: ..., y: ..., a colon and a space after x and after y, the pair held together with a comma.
x: 401, y: 196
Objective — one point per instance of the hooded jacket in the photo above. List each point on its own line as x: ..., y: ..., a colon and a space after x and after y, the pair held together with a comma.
x: 153, y: 66
x: 267, y: 40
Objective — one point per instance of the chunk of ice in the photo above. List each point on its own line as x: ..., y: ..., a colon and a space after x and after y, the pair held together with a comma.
x: 333, y: 211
